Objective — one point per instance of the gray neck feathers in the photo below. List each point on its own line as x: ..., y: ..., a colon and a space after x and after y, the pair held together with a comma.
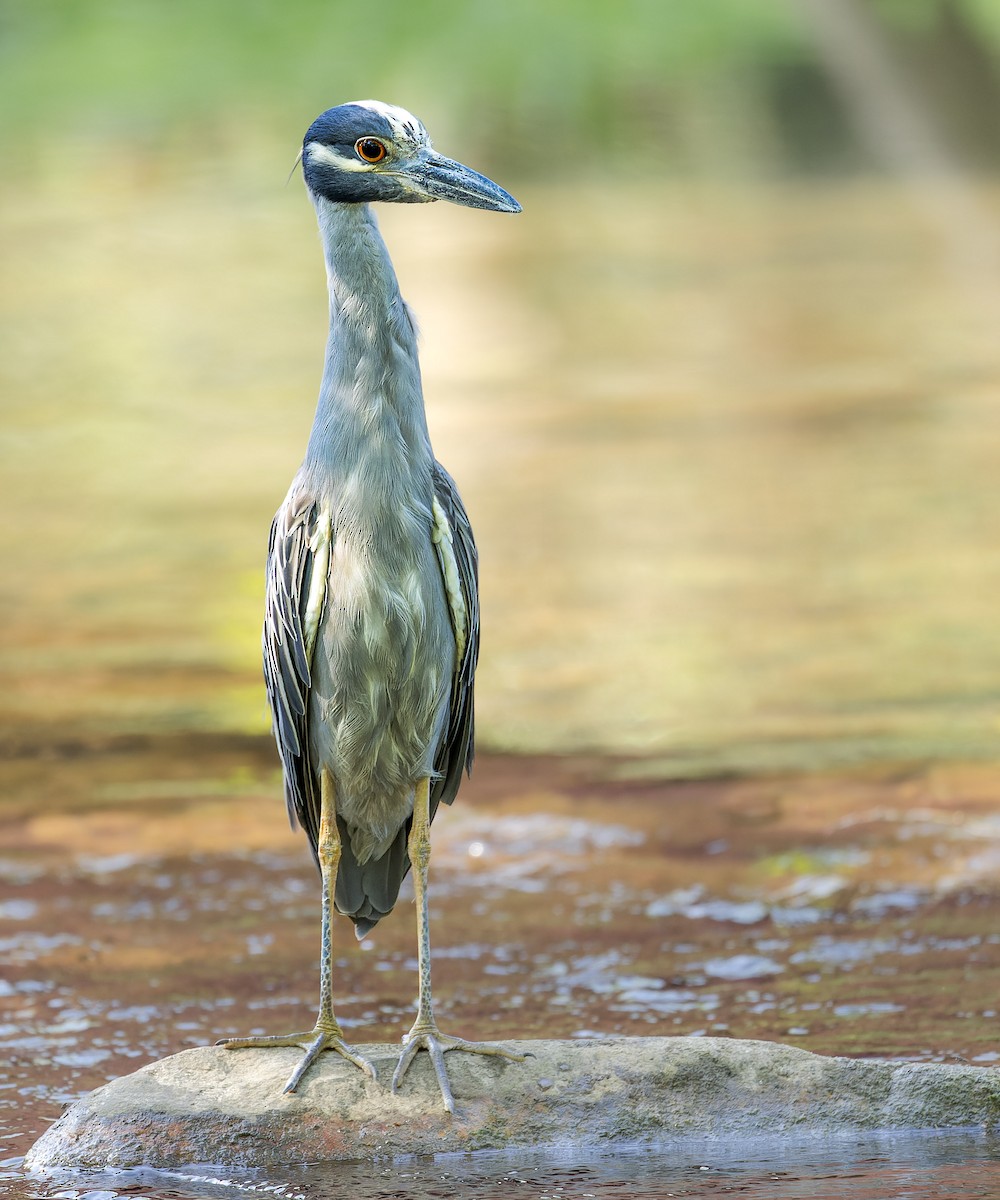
x: 369, y: 450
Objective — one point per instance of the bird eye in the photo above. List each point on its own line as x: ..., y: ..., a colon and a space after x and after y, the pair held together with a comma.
x: 370, y: 149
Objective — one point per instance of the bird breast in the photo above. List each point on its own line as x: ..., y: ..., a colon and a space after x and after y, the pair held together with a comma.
x: 381, y: 675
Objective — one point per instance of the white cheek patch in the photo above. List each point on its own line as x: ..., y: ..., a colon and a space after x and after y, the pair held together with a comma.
x: 317, y: 152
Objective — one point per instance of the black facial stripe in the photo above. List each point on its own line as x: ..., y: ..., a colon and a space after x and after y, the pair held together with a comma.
x: 351, y: 187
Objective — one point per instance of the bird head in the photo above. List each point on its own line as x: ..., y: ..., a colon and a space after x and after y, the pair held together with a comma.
x: 364, y: 151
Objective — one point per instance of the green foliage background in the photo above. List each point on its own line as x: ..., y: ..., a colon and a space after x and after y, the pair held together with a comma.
x: 567, y: 81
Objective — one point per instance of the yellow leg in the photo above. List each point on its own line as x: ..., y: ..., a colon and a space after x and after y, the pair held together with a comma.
x: 327, y: 1034
x: 425, y: 1034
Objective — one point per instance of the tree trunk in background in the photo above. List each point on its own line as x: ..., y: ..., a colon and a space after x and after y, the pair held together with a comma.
x: 890, y: 116
x: 893, y: 116
x: 952, y: 66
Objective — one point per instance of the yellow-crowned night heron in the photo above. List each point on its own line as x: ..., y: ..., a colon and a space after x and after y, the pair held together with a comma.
x: 371, y: 627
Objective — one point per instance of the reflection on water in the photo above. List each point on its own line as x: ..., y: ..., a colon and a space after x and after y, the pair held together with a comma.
x: 731, y: 458
x: 932, y: 1165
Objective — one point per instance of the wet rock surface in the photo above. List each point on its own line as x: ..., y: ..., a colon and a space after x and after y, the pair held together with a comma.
x: 228, y: 1108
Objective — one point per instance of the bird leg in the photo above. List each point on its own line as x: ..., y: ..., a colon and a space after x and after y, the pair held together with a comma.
x: 425, y: 1034
x: 327, y: 1034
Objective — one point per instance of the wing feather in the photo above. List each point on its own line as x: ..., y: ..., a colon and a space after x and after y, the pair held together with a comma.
x: 456, y: 751
x: 297, y: 579
x: 295, y: 593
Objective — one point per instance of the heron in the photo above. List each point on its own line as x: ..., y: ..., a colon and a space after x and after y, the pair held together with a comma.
x: 371, y: 625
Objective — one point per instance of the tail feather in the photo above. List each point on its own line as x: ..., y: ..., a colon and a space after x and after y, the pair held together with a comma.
x: 367, y: 892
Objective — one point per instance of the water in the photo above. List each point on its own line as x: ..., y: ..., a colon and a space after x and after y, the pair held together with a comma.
x: 960, y: 1165
x: 566, y: 901
x: 732, y: 466
x: 730, y: 456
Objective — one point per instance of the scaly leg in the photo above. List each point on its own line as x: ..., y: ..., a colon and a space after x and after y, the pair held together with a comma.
x: 327, y: 1035
x: 425, y: 1034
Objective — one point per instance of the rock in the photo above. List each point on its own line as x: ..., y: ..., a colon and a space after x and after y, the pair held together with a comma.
x: 212, y: 1105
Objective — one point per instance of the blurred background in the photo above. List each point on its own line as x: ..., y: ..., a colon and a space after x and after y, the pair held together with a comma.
x: 722, y: 402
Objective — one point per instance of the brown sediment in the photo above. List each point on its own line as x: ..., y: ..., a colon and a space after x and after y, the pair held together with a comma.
x: 845, y: 913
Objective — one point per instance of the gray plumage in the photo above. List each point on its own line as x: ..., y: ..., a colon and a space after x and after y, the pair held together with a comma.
x: 371, y: 625
x: 366, y: 672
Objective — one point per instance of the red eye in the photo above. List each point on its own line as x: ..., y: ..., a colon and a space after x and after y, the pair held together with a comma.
x: 370, y: 149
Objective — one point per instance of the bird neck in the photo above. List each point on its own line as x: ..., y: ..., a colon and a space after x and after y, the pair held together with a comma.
x: 370, y: 420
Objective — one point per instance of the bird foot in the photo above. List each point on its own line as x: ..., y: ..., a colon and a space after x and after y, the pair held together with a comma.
x: 436, y: 1043
x: 314, y: 1043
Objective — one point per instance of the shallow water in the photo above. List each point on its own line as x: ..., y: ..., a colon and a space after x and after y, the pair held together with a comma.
x: 731, y: 458
x: 730, y: 454
x: 927, y: 1166
x: 849, y: 914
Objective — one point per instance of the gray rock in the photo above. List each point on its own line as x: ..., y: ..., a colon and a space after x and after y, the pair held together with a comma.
x: 227, y: 1107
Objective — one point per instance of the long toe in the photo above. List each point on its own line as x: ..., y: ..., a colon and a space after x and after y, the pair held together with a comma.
x: 314, y: 1043
x: 437, y: 1044
x: 277, y: 1039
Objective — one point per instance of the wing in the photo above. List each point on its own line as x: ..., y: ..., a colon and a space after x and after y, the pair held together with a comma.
x: 297, y: 571
x: 459, y: 560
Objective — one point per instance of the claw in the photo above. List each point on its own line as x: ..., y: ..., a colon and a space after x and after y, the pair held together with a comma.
x: 314, y: 1043
x: 437, y: 1044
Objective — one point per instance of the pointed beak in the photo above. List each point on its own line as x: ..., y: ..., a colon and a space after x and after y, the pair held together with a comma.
x: 438, y: 178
